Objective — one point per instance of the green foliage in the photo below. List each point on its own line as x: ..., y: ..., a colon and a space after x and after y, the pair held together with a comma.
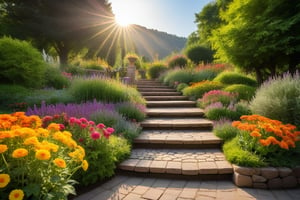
x: 21, y: 63
x: 214, y: 96
x: 238, y: 156
x: 106, y: 90
x: 279, y: 98
x: 203, y: 75
x: 156, y: 69
x: 55, y: 79
x: 225, y: 131
x: 119, y: 147
x: 244, y: 92
x: 177, y: 75
x: 181, y: 86
x: 198, y: 54
x: 235, y: 78
x: 132, y: 111
x: 177, y: 61
x: 198, y: 89
x: 122, y: 127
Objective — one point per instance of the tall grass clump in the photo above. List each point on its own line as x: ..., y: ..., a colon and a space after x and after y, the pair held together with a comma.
x: 197, y: 90
x: 179, y: 76
x: 224, y: 130
x: 134, y: 112
x: 230, y: 78
x: 105, y: 90
x: 156, y: 69
x: 202, y: 75
x: 279, y: 98
x: 244, y: 92
x: 55, y: 79
x: 21, y: 63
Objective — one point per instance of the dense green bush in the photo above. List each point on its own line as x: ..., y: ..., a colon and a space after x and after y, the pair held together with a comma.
x: 279, y: 98
x: 55, y: 79
x: 198, y: 54
x: 178, y: 61
x: 198, y: 89
x: 230, y: 78
x: 202, y: 75
x: 120, y: 148
x: 156, y: 69
x: 236, y: 155
x: 177, y: 75
x: 73, y: 69
x: 131, y: 111
x: 105, y: 90
x: 21, y: 63
x: 181, y: 87
x: 244, y: 92
x: 225, y: 131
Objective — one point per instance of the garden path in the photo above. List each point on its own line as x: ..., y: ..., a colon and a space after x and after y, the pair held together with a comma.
x: 176, y: 157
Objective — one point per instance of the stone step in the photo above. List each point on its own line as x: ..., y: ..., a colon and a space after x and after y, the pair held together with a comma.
x: 174, y: 112
x: 185, y: 162
x: 177, y: 123
x: 165, y: 98
x: 160, y: 93
x: 163, y: 104
x: 177, y: 139
x: 157, y: 90
x: 151, y: 86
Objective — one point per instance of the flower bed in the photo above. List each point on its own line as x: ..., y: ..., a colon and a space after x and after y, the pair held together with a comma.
x: 266, y: 178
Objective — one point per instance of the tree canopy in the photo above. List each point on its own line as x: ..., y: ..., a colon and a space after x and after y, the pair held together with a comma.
x: 66, y: 25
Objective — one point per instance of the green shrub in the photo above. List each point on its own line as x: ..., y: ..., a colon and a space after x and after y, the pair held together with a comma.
x: 198, y: 89
x: 178, y: 61
x: 55, y: 79
x: 105, y: 90
x: 238, y: 156
x: 198, y: 54
x: 279, y: 98
x: 122, y: 127
x: 214, y: 96
x: 119, y: 147
x: 177, y: 75
x: 21, y: 63
x: 225, y: 131
x: 181, y: 87
x: 132, y: 111
x: 203, y: 75
x: 11, y: 95
x: 230, y: 78
x: 156, y: 69
x: 244, y: 92
x: 73, y: 69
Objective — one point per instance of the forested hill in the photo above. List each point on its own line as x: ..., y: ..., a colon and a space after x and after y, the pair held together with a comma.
x: 155, y: 44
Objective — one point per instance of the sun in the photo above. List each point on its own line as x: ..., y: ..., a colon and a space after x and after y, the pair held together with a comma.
x: 123, y: 21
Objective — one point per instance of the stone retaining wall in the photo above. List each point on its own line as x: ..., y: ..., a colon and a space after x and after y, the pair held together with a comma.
x: 266, y: 178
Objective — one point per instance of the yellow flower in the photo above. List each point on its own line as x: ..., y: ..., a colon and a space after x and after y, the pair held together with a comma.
x: 16, y: 195
x: 53, y: 127
x: 42, y: 132
x: 85, y: 165
x: 43, y: 154
x: 4, y: 180
x: 3, y: 148
x: 19, y: 153
x: 59, y: 162
x: 31, y: 141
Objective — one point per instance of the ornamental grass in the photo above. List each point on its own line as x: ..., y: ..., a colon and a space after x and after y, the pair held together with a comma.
x: 37, y: 162
x: 276, y: 143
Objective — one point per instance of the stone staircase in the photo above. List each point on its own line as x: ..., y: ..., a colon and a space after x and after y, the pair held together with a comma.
x: 176, y: 141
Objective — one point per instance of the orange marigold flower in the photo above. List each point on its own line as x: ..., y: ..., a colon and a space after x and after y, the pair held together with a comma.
x: 291, y: 143
x: 19, y: 153
x: 284, y: 145
x: 273, y: 140
x: 255, y: 133
x: 43, y: 154
x: 3, y: 148
x: 60, y: 162
x: 235, y: 123
x: 31, y: 141
x: 85, y: 165
x: 16, y: 195
x: 264, y: 142
x: 53, y: 127
x: 4, y: 180
x: 5, y: 134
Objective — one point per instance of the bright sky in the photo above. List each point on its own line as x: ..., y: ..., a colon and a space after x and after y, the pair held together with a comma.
x: 172, y: 16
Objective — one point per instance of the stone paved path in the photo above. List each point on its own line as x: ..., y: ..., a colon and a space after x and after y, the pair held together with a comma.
x: 177, y: 157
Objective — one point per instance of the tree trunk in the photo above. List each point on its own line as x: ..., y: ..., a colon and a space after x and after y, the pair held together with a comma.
x: 63, y: 52
x: 294, y: 61
x: 258, y: 75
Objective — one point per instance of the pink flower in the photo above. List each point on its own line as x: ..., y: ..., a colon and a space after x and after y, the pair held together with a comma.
x: 61, y: 127
x: 83, y: 120
x: 47, y: 118
x: 72, y: 120
x: 101, y: 126
x: 92, y: 129
x: 110, y: 130
x: 106, y: 134
x: 83, y: 126
x: 91, y: 123
x: 95, y: 135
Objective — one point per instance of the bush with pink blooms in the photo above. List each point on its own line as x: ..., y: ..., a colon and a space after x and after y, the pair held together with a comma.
x: 214, y: 96
x: 103, y: 151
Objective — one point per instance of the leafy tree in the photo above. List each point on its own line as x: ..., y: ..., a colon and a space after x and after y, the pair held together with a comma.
x: 263, y: 43
x: 66, y: 25
x: 198, y: 53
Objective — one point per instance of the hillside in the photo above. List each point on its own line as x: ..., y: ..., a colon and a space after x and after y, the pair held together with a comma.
x: 155, y: 44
